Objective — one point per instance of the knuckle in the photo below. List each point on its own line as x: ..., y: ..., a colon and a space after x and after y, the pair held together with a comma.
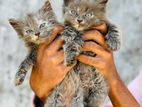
x: 58, y: 28
x: 93, y: 31
x: 98, y: 36
x: 96, y: 33
x: 91, y: 44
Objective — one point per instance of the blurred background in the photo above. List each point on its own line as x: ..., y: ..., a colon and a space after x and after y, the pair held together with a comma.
x: 125, y: 13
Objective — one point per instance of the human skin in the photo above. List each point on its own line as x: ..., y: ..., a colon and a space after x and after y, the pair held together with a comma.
x: 50, y: 70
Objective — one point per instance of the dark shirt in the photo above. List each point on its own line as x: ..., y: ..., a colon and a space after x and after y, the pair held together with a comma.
x: 37, y: 102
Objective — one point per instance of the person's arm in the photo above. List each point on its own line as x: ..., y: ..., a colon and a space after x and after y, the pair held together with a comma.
x: 120, y: 96
x: 49, y: 69
x: 104, y: 62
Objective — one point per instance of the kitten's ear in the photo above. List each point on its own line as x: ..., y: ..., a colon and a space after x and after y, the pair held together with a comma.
x: 66, y: 2
x: 46, y: 7
x: 102, y: 1
x: 17, y: 25
x: 46, y: 12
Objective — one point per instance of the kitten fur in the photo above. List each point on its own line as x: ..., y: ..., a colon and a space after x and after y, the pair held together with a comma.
x: 33, y: 29
x: 83, y: 86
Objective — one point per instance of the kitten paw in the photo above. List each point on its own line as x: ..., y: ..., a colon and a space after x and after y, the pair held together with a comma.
x: 70, y: 58
x: 19, y: 78
x: 71, y: 51
x: 69, y: 62
x: 113, y: 41
x: 18, y: 81
x: 68, y: 36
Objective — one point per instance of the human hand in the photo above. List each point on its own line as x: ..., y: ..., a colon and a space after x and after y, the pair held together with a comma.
x: 49, y: 70
x: 103, y: 61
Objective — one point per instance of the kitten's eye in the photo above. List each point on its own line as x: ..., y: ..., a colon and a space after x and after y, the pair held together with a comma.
x: 73, y: 12
x: 52, y: 23
x: 29, y: 31
x: 42, y: 25
x: 89, y: 15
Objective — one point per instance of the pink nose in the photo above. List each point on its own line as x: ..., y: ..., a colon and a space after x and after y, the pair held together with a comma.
x: 37, y: 34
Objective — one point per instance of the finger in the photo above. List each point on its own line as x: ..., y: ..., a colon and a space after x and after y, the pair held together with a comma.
x: 93, y: 47
x: 95, y: 36
x: 59, y: 57
x: 102, y: 28
x: 56, y: 30
x: 92, y: 61
x: 56, y: 45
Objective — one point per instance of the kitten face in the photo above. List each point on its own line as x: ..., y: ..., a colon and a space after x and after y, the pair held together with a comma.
x: 83, y: 14
x: 36, y: 27
x: 32, y: 29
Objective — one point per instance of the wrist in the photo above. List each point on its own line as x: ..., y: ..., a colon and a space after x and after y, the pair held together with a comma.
x: 113, y: 78
x: 43, y: 95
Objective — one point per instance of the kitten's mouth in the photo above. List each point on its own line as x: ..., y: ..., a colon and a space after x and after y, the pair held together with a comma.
x: 34, y: 38
x: 79, y: 27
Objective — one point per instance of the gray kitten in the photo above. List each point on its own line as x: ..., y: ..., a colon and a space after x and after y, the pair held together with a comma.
x: 83, y: 86
x: 33, y: 29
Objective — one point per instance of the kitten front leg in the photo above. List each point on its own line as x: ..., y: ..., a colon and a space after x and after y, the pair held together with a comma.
x: 113, y: 37
x: 25, y: 67
x: 73, y: 45
x: 71, y: 51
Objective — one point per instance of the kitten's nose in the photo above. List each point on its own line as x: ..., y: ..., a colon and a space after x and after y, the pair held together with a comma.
x: 37, y: 34
x: 79, y: 20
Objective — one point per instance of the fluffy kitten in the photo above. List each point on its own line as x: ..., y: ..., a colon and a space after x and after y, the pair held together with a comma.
x: 83, y: 15
x: 80, y: 16
x: 33, y: 29
x: 83, y: 86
